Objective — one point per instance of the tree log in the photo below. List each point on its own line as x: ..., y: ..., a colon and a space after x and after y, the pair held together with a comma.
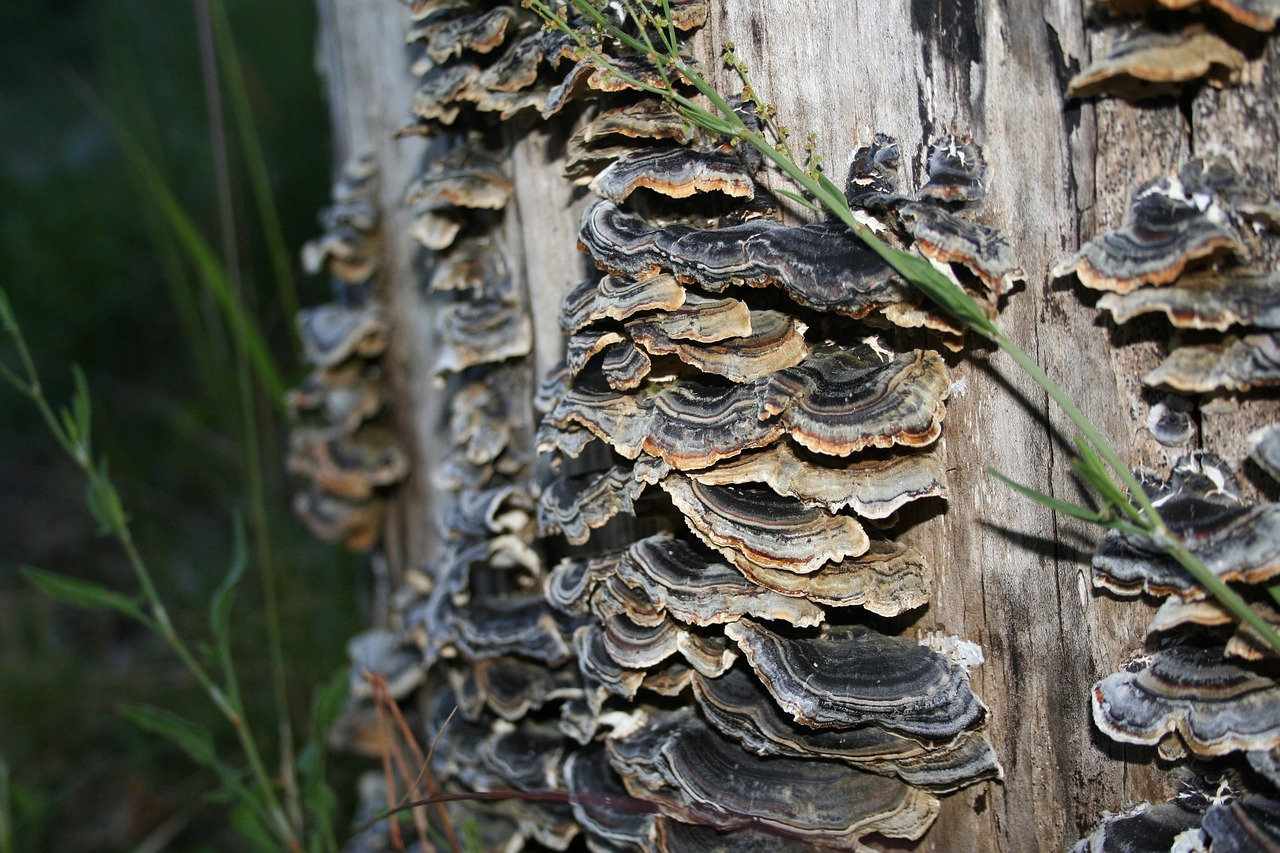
x: 1009, y: 574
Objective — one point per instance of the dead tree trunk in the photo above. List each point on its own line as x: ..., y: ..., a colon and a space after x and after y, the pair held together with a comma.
x: 1009, y: 575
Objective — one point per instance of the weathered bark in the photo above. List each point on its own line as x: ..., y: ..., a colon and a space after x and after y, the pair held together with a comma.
x: 1009, y: 575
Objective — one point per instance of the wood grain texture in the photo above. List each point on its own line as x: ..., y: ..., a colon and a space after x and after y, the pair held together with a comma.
x: 1008, y: 574
x: 366, y: 69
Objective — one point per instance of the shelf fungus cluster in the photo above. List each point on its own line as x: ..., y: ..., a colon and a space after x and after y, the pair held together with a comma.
x: 1207, y: 688
x: 726, y: 407
x: 1158, y: 47
x: 657, y: 618
x: 1190, y: 250
x: 346, y: 458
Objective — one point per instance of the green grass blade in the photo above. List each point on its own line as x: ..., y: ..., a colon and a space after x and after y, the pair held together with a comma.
x: 798, y: 199
x: 251, y: 827
x: 318, y: 797
x: 82, y: 411
x: 212, y: 271
x: 255, y: 162
x: 193, y: 739
x: 1090, y: 466
x: 104, y: 502
x: 84, y: 594
x: 224, y: 596
x: 329, y: 702
x: 197, y: 742
x: 1055, y: 504
x: 6, y: 810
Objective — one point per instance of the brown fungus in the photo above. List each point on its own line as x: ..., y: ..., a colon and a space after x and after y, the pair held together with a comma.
x: 517, y: 69
x: 448, y: 37
x: 625, y: 365
x: 349, y: 466
x: 480, y: 514
x: 855, y: 676
x: 1201, y: 505
x: 873, y: 487
x: 467, y: 177
x: 1208, y: 299
x: 841, y: 401
x: 648, y: 120
x: 568, y: 586
x: 1146, y: 828
x: 603, y: 806
x: 435, y: 231
x: 343, y: 397
x: 699, y: 590
x: 698, y: 319
x: 512, y: 687
x: 756, y: 525
x: 889, y: 579
x: 437, y: 96
x: 1259, y: 14
x: 1244, y: 825
x: 332, y: 333
x: 1144, y: 63
x: 384, y: 653
x: 481, y: 424
x: 601, y: 673
x: 1265, y: 450
x: 1166, y: 229
x: 1234, y: 364
x: 823, y: 802
x: 775, y: 341
x: 586, y: 345
x: 957, y: 172
x: 945, y: 238
x: 481, y: 331
x: 356, y: 524
x: 738, y: 705
x: 588, y: 76
x: 520, y: 625
x: 685, y: 423
x: 617, y: 298
x: 872, y: 183
x: 820, y: 265
x: 676, y: 835
x: 574, y: 506
x: 673, y: 172
x: 1214, y: 706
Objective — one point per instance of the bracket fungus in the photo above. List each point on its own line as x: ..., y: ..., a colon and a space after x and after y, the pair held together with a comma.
x: 1167, y: 228
x: 1200, y: 502
x: 673, y: 172
x: 1215, y: 707
x: 957, y: 171
x: 756, y: 525
x: 627, y: 625
x: 856, y: 676
x: 1207, y: 299
x: 1144, y: 63
x: 1257, y: 14
x: 1195, y: 248
x: 1234, y: 364
x: 872, y: 486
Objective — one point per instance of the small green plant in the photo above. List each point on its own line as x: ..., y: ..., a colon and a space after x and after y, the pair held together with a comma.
x: 6, y: 810
x: 261, y: 813
x: 1125, y: 505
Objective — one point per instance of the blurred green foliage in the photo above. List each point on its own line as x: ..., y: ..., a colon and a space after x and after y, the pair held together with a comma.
x: 97, y: 280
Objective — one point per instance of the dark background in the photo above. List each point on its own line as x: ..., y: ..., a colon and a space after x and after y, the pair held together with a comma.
x: 97, y: 281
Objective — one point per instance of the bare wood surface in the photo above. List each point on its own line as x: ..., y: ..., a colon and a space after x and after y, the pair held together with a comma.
x: 1007, y: 575
x: 365, y: 66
